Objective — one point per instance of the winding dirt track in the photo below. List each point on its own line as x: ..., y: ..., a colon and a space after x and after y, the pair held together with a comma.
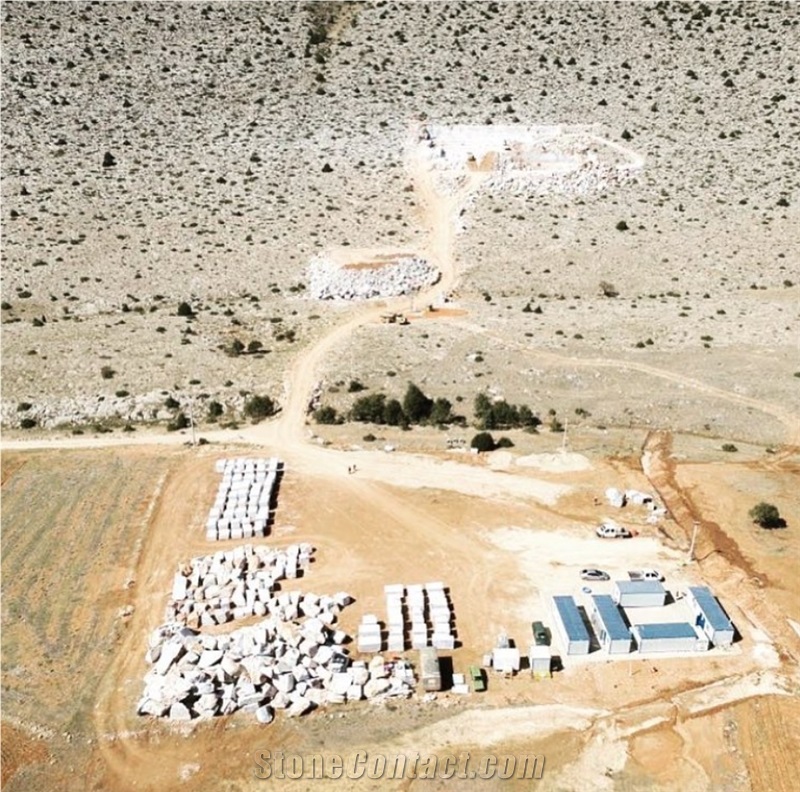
x: 286, y: 435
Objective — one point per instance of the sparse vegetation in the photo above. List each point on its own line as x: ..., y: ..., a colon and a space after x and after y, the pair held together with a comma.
x: 502, y: 415
x: 766, y: 515
x: 326, y: 415
x: 259, y: 407
x: 482, y: 442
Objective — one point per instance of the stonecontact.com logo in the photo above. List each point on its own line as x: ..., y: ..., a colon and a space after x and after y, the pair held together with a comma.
x: 365, y: 765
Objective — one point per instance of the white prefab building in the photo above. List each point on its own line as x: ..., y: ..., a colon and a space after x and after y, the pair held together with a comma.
x: 540, y: 660
x: 709, y: 616
x: 639, y: 594
x: 506, y: 660
x: 570, y: 627
x: 668, y: 637
x: 609, y: 625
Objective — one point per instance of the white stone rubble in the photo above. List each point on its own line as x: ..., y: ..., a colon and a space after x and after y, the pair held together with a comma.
x: 327, y: 280
x: 290, y: 664
x: 238, y: 583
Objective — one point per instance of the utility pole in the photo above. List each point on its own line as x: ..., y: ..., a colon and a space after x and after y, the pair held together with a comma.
x: 694, y: 538
x: 564, y: 438
x: 191, y: 417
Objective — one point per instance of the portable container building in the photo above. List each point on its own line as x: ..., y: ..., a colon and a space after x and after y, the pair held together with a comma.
x: 669, y: 637
x: 570, y: 626
x: 506, y: 660
x: 639, y: 593
x: 429, y: 670
x: 709, y: 616
x: 609, y: 625
x: 540, y: 660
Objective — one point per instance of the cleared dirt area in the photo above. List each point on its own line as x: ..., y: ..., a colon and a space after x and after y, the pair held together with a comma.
x: 499, y: 557
x: 613, y: 237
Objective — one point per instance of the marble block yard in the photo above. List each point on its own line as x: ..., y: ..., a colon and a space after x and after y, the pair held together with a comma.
x: 234, y: 584
x: 244, y: 499
x: 281, y: 663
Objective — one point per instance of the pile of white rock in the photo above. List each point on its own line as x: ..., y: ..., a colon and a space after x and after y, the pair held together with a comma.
x: 241, y: 508
x: 235, y: 584
x: 586, y: 179
x: 274, y: 665
x: 378, y: 680
x: 327, y: 280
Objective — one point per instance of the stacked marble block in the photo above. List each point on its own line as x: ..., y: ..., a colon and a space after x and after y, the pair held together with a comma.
x: 369, y: 634
x: 440, y: 617
x: 242, y: 506
x: 429, y: 615
x: 395, y: 617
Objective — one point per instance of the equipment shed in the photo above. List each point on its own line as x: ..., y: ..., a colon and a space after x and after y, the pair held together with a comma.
x: 669, y: 637
x: 540, y: 660
x: 639, y: 593
x: 709, y: 616
x: 609, y: 625
x: 570, y: 626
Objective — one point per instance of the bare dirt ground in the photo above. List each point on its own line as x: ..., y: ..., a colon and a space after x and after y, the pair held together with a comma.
x: 367, y: 533
x: 667, y: 370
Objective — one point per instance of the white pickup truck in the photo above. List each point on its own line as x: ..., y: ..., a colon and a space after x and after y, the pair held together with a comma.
x: 645, y: 574
x: 611, y: 530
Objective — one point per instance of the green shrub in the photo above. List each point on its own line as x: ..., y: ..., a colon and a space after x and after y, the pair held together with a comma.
x: 326, y: 415
x: 369, y: 409
x: 393, y: 414
x: 766, y: 515
x: 28, y: 423
x: 416, y: 405
x: 483, y: 441
x: 259, y: 407
x: 179, y: 422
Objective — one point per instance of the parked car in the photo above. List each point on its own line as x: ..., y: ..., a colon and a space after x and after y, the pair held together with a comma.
x: 541, y: 635
x: 610, y: 530
x: 594, y: 574
x: 478, y: 682
x: 645, y: 574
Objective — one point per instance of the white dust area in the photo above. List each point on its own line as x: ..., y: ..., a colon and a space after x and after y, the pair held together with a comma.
x: 726, y: 691
x: 764, y: 652
x: 484, y: 728
x: 563, y: 462
x: 418, y: 472
x: 559, y: 158
x: 605, y: 755
x: 551, y: 560
x: 795, y: 626
x: 500, y: 460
